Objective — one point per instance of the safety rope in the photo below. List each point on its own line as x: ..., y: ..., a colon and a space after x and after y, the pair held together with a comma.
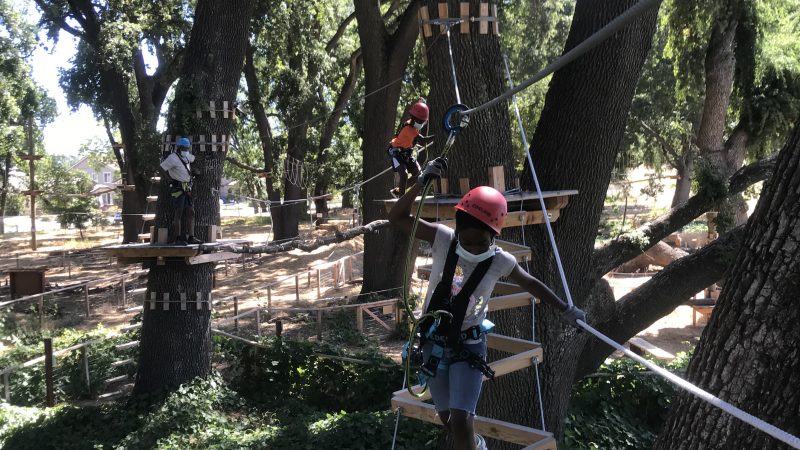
x: 452, y: 65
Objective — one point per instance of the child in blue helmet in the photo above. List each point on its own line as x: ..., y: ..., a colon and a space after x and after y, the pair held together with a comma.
x: 177, y: 166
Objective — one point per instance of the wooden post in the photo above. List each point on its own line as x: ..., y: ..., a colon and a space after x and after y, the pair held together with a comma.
x: 483, y: 27
x: 258, y: 322
x: 235, y: 313
x: 319, y: 288
x: 319, y: 325
x: 359, y: 319
x: 85, y: 357
x: 86, y: 299
x: 41, y: 312
x: 335, y: 274
x: 445, y: 186
x: 297, y: 288
x: 496, y: 23
x: 269, y: 297
x: 349, y: 270
x: 48, y: 370
x: 122, y: 292
x: 32, y: 170
x: 423, y: 15
x: 278, y: 328
x: 69, y: 266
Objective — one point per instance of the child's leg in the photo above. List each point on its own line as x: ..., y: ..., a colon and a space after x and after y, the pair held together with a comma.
x: 462, y: 430
x: 465, y: 389
x: 401, y: 170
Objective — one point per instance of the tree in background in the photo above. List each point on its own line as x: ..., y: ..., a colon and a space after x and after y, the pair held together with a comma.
x: 747, y: 354
x: 109, y: 74
x: 22, y: 98
x: 66, y: 194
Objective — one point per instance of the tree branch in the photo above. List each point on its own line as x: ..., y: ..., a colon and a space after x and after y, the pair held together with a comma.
x: 242, y: 165
x: 630, y: 245
x: 339, y: 32
x: 402, y: 40
x: 311, y: 244
x: 61, y: 22
x: 658, y: 297
x: 668, y: 148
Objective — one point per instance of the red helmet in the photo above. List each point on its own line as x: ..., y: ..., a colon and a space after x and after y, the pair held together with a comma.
x: 486, y: 204
x: 419, y: 110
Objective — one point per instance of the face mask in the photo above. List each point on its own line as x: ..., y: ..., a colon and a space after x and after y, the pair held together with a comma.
x: 473, y: 258
x: 185, y: 154
x: 419, y: 125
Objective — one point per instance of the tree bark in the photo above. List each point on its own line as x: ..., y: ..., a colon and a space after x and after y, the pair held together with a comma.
x: 660, y: 254
x: 683, y: 185
x: 4, y: 192
x: 747, y: 354
x: 385, y: 59
x: 175, y: 344
x: 584, y: 117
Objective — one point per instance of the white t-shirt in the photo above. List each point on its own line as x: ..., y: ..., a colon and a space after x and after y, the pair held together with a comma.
x: 178, y: 169
x: 502, y: 266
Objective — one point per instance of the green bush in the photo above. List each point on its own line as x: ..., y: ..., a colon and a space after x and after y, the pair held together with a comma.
x: 620, y: 407
x: 296, y: 370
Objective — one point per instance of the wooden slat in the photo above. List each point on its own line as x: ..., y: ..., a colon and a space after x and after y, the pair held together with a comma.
x: 377, y: 319
x: 503, y: 288
x: 484, y: 13
x: 522, y: 299
x: 152, y: 198
x: 496, y: 23
x: 148, y: 217
x: 211, y: 257
x: 463, y: 185
x: 492, y: 428
x: 544, y: 444
x: 497, y: 178
x: 464, y: 9
x: 510, y: 344
x: 423, y: 15
x: 443, y: 14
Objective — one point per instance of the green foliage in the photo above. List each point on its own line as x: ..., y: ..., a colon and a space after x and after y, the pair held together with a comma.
x: 619, y: 407
x: 65, y: 193
x: 28, y: 384
x: 284, y: 369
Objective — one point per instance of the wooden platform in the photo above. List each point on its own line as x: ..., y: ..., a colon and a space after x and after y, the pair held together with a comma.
x: 522, y: 354
x: 190, y: 254
x: 524, y: 208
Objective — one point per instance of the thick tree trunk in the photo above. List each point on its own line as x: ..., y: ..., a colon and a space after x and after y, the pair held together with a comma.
x: 385, y: 59
x: 478, y: 63
x: 175, y: 343
x: 574, y: 147
x: 748, y: 352
x: 4, y: 192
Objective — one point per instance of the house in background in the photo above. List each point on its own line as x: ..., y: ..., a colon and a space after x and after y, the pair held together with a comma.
x: 107, y: 176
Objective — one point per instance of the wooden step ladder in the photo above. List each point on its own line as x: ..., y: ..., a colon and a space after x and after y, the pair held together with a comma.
x: 522, y: 352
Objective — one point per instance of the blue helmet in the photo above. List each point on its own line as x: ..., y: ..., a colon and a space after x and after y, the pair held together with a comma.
x: 183, y: 141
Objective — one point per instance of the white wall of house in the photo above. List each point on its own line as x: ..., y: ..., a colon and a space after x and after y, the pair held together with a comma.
x: 107, y: 175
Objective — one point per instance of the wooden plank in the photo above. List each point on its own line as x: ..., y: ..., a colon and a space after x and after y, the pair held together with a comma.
x: 464, y: 7
x: 152, y: 251
x: 496, y: 23
x: 497, y: 178
x: 509, y: 301
x: 443, y: 14
x: 425, y: 17
x: 443, y: 213
x: 211, y: 257
x: 377, y: 319
x: 492, y: 428
x: 148, y: 217
x: 152, y: 198
x: 544, y: 444
x: 463, y: 186
x: 640, y: 346
x: 510, y: 344
x: 444, y: 186
x: 503, y: 288
x: 483, y: 27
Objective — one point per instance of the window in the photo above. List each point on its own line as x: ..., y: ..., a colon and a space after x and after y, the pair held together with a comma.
x: 106, y: 199
x: 94, y: 176
x: 106, y: 177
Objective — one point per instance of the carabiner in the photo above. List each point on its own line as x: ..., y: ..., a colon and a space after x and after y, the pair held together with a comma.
x: 463, y: 120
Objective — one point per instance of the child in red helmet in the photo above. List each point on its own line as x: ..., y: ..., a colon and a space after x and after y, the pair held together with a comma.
x: 454, y: 347
x: 400, y: 148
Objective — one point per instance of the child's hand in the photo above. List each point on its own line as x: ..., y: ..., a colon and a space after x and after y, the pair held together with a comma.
x: 433, y: 170
x: 571, y: 316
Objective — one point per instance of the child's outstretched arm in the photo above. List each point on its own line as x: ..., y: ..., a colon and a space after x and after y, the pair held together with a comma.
x: 400, y: 215
x: 570, y: 314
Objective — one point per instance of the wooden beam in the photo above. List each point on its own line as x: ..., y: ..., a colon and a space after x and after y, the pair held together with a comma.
x: 497, y: 178
x: 211, y: 257
x: 492, y: 428
x: 510, y: 344
x: 496, y: 23
x: 443, y: 14
x: 463, y: 185
x: 423, y: 15
x: 510, y: 301
x: 484, y: 13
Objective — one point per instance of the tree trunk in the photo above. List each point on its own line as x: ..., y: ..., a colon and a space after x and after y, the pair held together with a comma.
x: 176, y: 344
x: 747, y: 354
x: 574, y: 147
x: 4, y: 192
x: 683, y: 185
x: 478, y: 63
x: 385, y: 59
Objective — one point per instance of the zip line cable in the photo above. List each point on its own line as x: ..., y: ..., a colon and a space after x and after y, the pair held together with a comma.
x: 591, y: 42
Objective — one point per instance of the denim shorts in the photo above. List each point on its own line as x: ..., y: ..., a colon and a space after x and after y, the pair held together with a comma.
x: 456, y: 385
